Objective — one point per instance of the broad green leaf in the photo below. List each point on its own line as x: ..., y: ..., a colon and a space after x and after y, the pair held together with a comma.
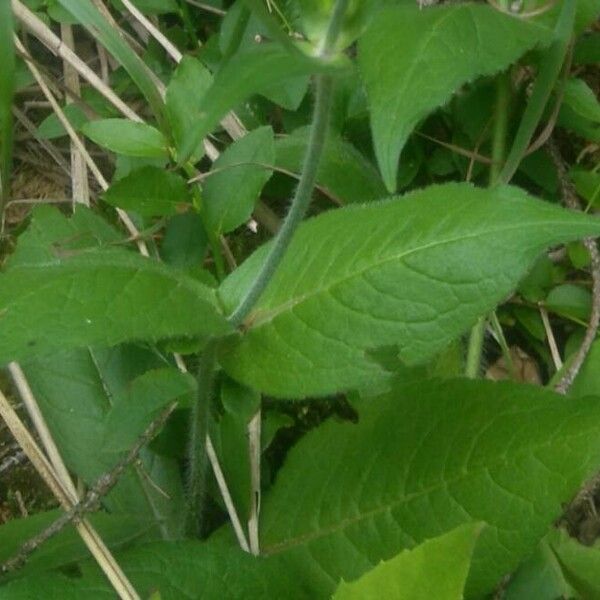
x: 127, y: 137
x: 150, y: 192
x: 7, y: 89
x: 422, y: 460
x: 184, y: 96
x: 437, y: 568
x: 240, y: 173
x: 75, y: 391
x: 343, y: 171
x: 413, y: 60
x: 100, y: 299
x: 247, y: 73
x: 581, y: 565
x: 580, y: 98
x: 414, y: 271
x: 92, y: 19
x: 117, y: 531
x: 146, y: 396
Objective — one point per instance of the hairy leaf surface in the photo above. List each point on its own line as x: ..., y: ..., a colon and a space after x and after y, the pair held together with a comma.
x: 414, y: 271
x: 413, y: 60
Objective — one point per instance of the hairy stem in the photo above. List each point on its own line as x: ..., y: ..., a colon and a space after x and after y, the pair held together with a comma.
x: 303, y: 195
x: 501, y: 110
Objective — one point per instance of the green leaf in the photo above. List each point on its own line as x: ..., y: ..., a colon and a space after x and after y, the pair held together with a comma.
x: 413, y: 60
x: 146, y: 396
x: 587, y: 49
x: 580, y: 98
x: 539, y: 576
x: 185, y: 241
x: 75, y: 391
x: 424, y: 459
x: 389, y: 273
x: 437, y: 568
x: 152, y: 7
x: 581, y: 565
x: 101, y: 29
x: 571, y: 301
x: 343, y: 171
x: 51, y: 127
x: 247, y: 73
x: 100, y: 299
x: 587, y: 184
x: 67, y: 547
x: 7, y: 90
x: 184, y: 96
x: 229, y: 195
x: 150, y: 192
x: 127, y: 137
x: 587, y: 381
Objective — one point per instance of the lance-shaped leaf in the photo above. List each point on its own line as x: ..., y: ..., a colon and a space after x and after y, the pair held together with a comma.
x: 422, y: 460
x: 100, y: 298
x: 415, y: 272
x: 413, y: 60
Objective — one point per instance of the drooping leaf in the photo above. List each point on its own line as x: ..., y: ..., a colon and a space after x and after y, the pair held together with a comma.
x: 415, y: 271
x: 421, y: 460
x: 437, y: 568
x: 149, y: 191
x: 127, y: 137
x: 184, y: 96
x: 229, y: 195
x: 413, y: 60
x: 247, y: 73
x: 146, y: 396
x: 100, y: 299
x: 343, y: 171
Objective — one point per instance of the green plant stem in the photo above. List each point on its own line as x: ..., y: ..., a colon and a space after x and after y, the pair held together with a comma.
x: 308, y: 178
x: 197, y: 458
x: 501, y: 111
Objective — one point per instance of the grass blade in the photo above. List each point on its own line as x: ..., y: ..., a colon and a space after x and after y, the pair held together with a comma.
x: 7, y: 88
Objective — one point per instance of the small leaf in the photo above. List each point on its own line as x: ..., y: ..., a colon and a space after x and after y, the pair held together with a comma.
x: 570, y: 301
x: 413, y: 60
x: 127, y: 137
x: 402, y: 276
x: 146, y: 396
x: 100, y: 299
x: 343, y: 171
x: 580, y: 98
x: 247, y: 73
x: 184, y: 96
x: 437, y: 568
x: 150, y: 192
x: 51, y: 128
x: 421, y: 460
x: 241, y: 171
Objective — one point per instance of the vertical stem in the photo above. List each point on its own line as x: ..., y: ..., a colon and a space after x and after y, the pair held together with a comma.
x: 303, y: 195
x: 475, y: 348
x: 197, y: 458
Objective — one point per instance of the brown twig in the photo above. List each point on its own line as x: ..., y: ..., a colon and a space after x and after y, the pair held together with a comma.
x: 571, y: 201
x: 91, y: 501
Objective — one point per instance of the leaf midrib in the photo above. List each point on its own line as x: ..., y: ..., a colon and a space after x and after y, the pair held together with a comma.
x: 260, y: 317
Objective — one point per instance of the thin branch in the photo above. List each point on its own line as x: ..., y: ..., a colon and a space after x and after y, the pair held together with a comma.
x: 571, y: 201
x: 254, y: 450
x: 91, y: 501
x: 556, y: 359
